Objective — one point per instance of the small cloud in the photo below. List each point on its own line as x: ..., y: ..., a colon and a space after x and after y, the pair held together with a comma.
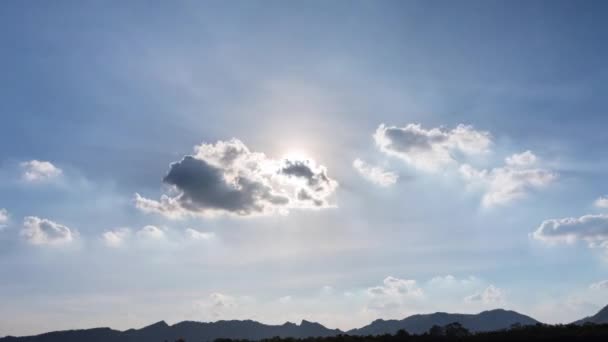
x: 38, y: 231
x: 491, y: 295
x: 327, y: 290
x: 39, y: 171
x: 593, y: 229
x: 393, y: 294
x: 601, y: 202
x: 285, y: 299
x: 151, y: 232
x: 513, y: 181
x: 526, y: 158
x: 396, y: 286
x: 198, y: 235
x: 375, y: 174
x: 217, y: 305
x: 600, y: 285
x: 431, y: 149
x: 3, y: 218
x: 116, y: 237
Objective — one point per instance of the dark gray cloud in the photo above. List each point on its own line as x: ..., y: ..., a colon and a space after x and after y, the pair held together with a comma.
x: 226, y: 177
x: 203, y: 186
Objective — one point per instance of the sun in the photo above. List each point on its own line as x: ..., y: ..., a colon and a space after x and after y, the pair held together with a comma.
x: 296, y: 154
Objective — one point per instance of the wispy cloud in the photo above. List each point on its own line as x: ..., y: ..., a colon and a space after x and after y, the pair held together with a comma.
x: 375, y: 174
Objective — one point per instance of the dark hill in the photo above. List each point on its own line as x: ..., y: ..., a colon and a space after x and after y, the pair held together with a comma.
x: 418, y: 324
x: 599, y: 318
x: 190, y: 331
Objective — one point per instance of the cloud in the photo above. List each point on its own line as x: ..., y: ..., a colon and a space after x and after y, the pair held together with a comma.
x: 601, y: 202
x: 217, y: 305
x: 375, y: 174
x: 600, y: 285
x: 39, y: 231
x: 116, y: 237
x: 396, y: 286
x: 450, y: 281
x: 198, y: 235
x: 3, y: 217
x: 39, y: 171
x: 393, y: 294
x: 431, y: 149
x: 226, y: 177
x: 285, y: 299
x: 491, y: 295
x: 592, y: 229
x: 514, y: 180
x: 151, y: 232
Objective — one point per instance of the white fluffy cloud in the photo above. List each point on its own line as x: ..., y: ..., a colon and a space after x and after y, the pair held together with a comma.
x: 438, y: 148
x: 151, y: 232
x: 116, y: 237
x: 394, y: 286
x: 490, y: 296
x: 226, y: 177
x: 375, y: 174
x: 431, y: 149
x: 593, y: 229
x: 217, y: 305
x: 601, y: 202
x: 600, y: 285
x: 198, y: 235
x: 39, y: 171
x: 514, y: 180
x: 40, y: 231
x: 393, y: 294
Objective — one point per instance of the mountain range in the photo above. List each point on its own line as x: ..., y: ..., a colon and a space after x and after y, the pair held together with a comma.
x: 200, y: 331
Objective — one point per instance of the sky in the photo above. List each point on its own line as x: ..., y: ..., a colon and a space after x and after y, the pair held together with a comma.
x: 335, y: 161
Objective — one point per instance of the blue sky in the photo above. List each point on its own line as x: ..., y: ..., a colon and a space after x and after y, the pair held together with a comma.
x: 348, y: 161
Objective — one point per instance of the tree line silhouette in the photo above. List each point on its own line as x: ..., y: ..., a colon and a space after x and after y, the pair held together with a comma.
x: 456, y: 332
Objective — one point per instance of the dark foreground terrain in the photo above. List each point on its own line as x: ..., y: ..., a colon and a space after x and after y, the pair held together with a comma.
x: 455, y: 332
x: 492, y: 325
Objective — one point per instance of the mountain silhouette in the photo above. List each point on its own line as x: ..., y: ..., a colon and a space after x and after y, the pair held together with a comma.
x: 599, y: 318
x: 485, y: 321
x: 188, y: 330
x: 417, y: 324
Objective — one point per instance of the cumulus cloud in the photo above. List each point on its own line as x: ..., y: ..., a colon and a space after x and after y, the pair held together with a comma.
x: 514, y: 180
x: 431, y: 149
x: 601, y: 202
x: 217, y: 305
x: 39, y: 171
x: 226, y: 177
x: 151, y: 232
x: 116, y: 237
x: 593, y: 229
x: 600, y: 285
x: 3, y: 217
x: 491, y: 295
x: 375, y: 174
x: 38, y: 231
x: 198, y: 235
x: 396, y: 286
x: 393, y: 293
